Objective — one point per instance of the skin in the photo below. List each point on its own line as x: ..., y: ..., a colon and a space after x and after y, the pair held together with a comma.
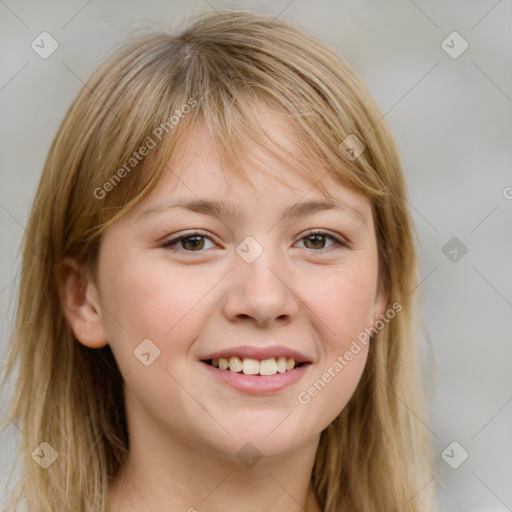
x: 309, y: 294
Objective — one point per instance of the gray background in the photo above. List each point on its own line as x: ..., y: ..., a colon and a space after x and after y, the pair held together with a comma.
x: 452, y: 120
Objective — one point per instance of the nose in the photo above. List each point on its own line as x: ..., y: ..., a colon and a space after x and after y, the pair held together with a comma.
x: 260, y: 291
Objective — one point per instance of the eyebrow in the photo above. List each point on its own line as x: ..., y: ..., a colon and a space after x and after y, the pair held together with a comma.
x: 225, y: 210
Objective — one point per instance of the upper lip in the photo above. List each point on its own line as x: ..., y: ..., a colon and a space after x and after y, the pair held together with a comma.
x: 259, y: 353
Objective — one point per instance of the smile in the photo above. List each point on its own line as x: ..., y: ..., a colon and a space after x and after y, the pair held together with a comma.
x: 250, y: 366
x: 256, y: 384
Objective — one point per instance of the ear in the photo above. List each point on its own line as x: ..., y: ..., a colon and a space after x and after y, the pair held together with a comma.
x: 379, y: 305
x: 78, y: 296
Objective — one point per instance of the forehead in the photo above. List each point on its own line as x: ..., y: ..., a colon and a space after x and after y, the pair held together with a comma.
x: 271, y: 165
x: 198, y: 162
x: 198, y: 180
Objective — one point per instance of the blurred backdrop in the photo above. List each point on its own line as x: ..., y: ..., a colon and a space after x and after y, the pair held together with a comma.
x: 442, y: 74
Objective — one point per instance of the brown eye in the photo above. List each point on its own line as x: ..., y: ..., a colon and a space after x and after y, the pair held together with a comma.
x: 317, y: 241
x: 190, y: 243
x: 193, y: 242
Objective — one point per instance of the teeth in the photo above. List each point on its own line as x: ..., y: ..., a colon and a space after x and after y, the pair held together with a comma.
x: 250, y: 366
x: 235, y: 364
x: 281, y: 364
x: 268, y: 367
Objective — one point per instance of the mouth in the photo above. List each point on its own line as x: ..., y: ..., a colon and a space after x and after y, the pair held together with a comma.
x: 254, y: 376
x: 257, y: 367
x: 257, y: 370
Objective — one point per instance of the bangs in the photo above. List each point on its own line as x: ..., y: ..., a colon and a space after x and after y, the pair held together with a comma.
x: 227, y: 89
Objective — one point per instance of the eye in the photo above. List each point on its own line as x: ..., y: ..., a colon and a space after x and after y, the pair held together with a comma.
x: 315, y: 239
x: 195, y: 242
x: 191, y: 242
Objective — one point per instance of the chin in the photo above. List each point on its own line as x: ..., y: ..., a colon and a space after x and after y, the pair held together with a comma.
x: 254, y: 442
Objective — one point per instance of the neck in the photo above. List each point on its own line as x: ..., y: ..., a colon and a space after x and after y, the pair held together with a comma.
x: 162, y: 474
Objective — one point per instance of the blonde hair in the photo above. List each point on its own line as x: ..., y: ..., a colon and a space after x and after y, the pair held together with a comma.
x: 376, y: 455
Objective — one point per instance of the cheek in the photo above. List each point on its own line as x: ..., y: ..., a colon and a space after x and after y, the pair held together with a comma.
x: 342, y: 302
x: 326, y: 396
x: 342, y: 313
x: 146, y: 298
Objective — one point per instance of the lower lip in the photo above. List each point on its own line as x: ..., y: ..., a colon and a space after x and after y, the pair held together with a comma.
x: 258, y: 384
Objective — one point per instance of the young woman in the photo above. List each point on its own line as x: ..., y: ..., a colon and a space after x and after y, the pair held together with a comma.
x: 217, y: 305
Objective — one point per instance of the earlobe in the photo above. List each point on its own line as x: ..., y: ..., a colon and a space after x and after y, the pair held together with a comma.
x: 80, y: 305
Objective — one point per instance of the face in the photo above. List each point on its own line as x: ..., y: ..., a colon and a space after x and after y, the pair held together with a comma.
x: 246, y: 282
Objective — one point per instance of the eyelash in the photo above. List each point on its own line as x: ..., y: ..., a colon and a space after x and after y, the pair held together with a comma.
x: 170, y: 244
